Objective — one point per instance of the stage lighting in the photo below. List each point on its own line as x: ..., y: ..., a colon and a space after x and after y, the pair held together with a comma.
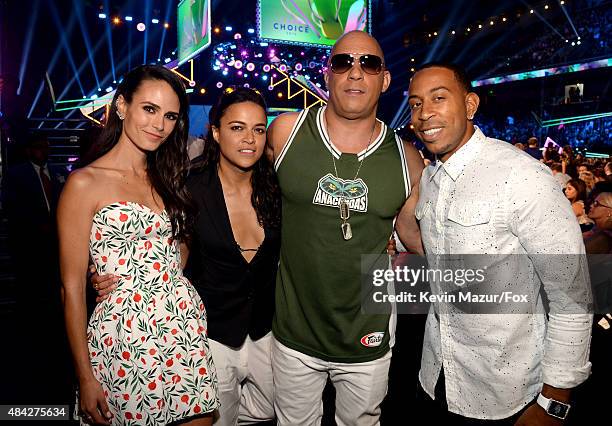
x: 155, y: 21
x: 217, y: 30
x: 578, y: 42
x: 109, y: 89
x: 469, y: 29
x: 102, y: 15
x: 251, y: 31
x: 114, y: 81
x: 531, y: 11
x: 94, y: 97
x: 411, y: 59
x: 166, y: 25
x: 453, y: 32
x: 412, y: 69
x: 491, y: 22
x: 141, y: 27
x: 479, y: 25
x: 562, y: 2
x: 504, y: 19
x: 279, y: 94
x: 202, y: 91
x: 228, y: 28
x: 166, y: 60
x: 435, y: 33
x: 546, y: 7
x: 116, y: 20
x: 566, y: 40
x: 128, y: 18
x: 573, y: 43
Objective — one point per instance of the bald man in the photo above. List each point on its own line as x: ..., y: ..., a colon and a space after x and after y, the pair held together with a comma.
x: 345, y: 178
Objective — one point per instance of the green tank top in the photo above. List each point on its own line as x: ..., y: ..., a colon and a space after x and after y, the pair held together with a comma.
x: 318, y: 286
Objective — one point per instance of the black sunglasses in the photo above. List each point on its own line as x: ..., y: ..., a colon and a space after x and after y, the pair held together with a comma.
x: 342, y: 62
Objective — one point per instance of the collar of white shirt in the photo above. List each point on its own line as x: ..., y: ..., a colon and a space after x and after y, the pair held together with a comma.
x: 457, y: 162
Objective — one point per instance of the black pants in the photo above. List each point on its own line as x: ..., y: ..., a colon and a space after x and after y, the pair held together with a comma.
x: 437, y: 410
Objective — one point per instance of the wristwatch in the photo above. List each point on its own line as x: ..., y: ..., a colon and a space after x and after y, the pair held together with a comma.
x: 553, y: 407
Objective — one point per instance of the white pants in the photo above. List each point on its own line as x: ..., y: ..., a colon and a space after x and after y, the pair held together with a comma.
x: 246, y: 392
x: 299, y: 380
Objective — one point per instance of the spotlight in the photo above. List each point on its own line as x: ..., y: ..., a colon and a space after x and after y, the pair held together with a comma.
x: 202, y: 91
x: 279, y: 94
x: 578, y: 37
x: 429, y: 34
x: 94, y: 97
x: 566, y: 40
x: 562, y: 2
x: 155, y: 21
x: 217, y: 30
x: 573, y: 43
x: 114, y: 81
x: 479, y: 25
x: 109, y: 89
x: 102, y: 15
x: 491, y: 22
x: 546, y: 7
x: 469, y: 29
x: 166, y: 60
x: 166, y: 25
x: 116, y: 20
x: 251, y: 31
x: 453, y: 32
x: 412, y: 69
x: 411, y: 59
x: 128, y: 18
x: 435, y: 33
x: 504, y: 19
x: 531, y: 11
x: 141, y: 27
x: 228, y: 28
x: 578, y: 42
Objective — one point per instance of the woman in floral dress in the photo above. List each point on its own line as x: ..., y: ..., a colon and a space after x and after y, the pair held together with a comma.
x: 144, y: 357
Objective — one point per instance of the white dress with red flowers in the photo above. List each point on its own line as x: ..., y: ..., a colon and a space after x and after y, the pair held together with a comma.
x: 147, y: 341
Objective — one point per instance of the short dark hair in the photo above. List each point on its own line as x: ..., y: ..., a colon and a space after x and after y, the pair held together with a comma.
x: 460, y: 74
x: 557, y: 167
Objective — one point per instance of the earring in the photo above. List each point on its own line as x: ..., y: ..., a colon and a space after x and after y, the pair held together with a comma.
x: 121, y: 117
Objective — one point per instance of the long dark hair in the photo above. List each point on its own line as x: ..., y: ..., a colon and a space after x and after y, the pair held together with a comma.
x: 580, y: 188
x: 265, y: 197
x: 167, y: 166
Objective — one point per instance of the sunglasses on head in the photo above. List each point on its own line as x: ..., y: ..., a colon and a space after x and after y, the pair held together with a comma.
x: 342, y: 62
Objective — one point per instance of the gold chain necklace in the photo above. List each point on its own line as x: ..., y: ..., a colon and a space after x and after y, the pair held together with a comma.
x: 343, y: 207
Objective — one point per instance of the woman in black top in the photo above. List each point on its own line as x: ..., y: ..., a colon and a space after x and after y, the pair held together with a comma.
x: 234, y: 253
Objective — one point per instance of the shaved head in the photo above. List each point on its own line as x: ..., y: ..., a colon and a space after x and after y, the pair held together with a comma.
x: 357, y: 42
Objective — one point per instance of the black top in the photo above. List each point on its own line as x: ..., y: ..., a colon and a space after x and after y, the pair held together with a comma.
x: 238, y: 295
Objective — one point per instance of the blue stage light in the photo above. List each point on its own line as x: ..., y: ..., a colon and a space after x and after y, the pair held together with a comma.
x: 102, y: 15
x: 128, y: 18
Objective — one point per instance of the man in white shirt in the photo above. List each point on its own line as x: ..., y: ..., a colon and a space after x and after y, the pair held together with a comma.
x: 484, y: 197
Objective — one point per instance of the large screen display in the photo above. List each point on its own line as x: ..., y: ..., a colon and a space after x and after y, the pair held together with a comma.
x: 193, y: 28
x: 311, y: 22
